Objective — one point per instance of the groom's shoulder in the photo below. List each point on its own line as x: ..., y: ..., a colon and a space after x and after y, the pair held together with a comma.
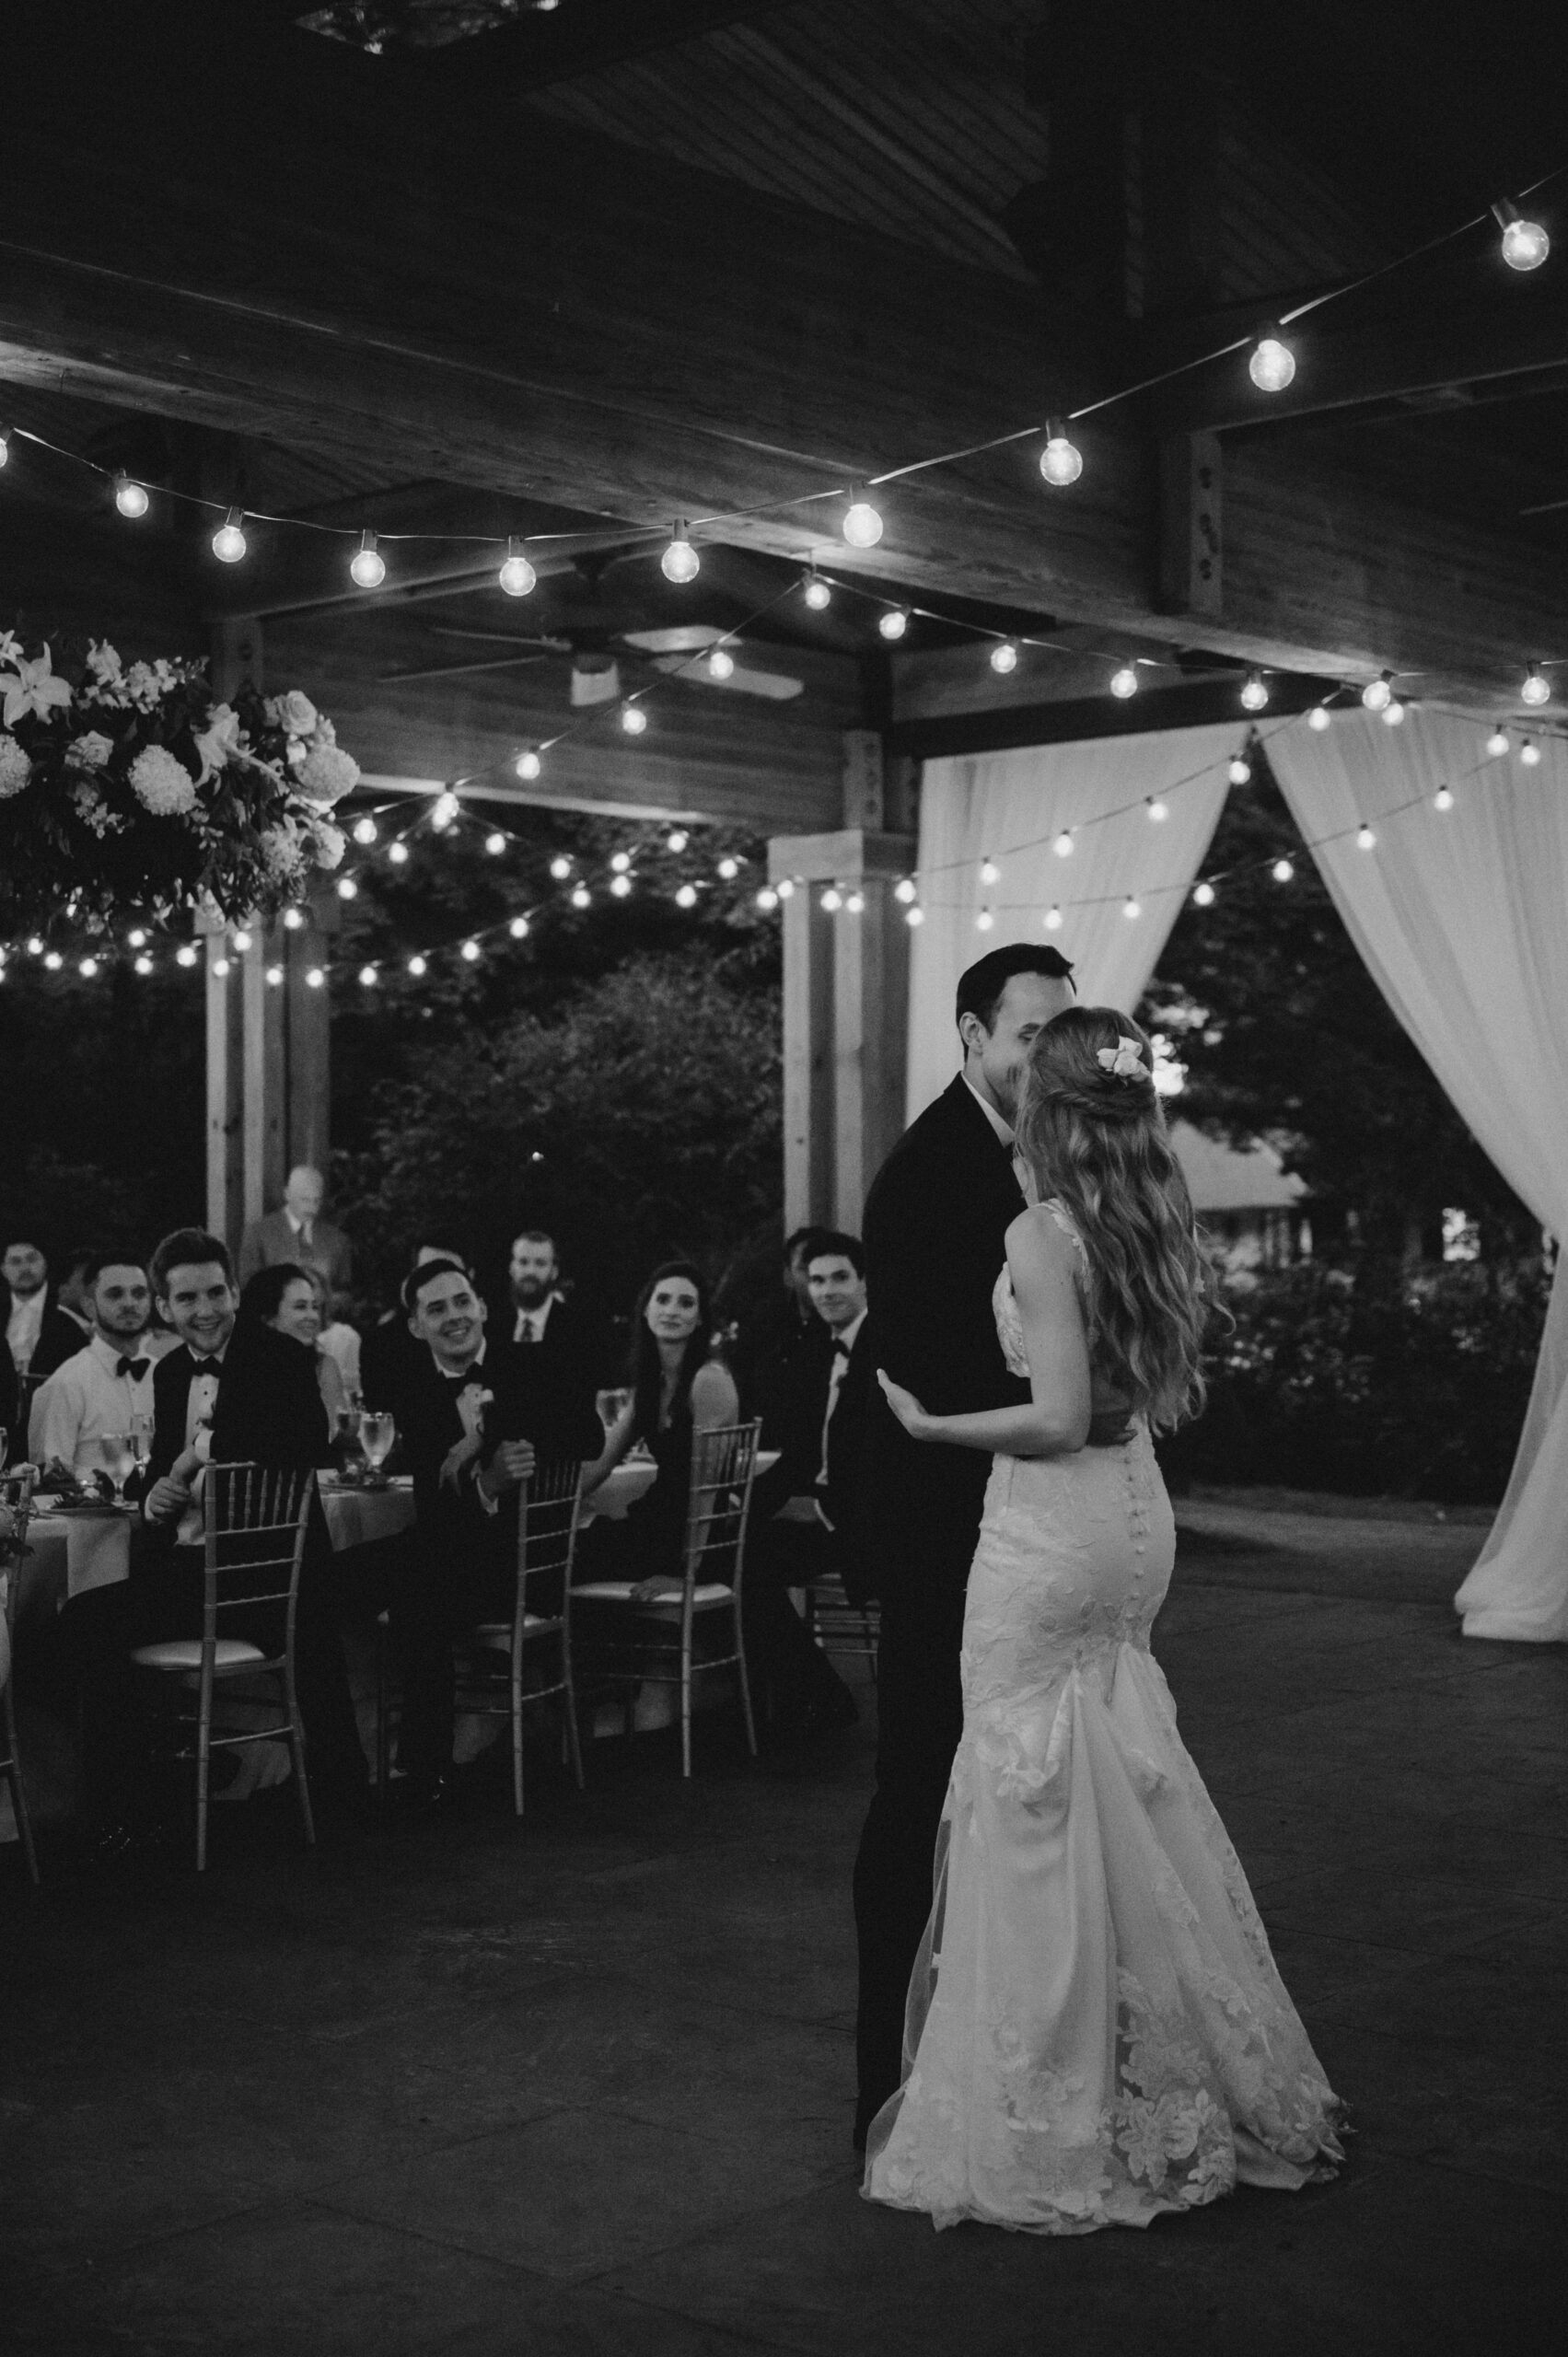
x: 933, y: 1140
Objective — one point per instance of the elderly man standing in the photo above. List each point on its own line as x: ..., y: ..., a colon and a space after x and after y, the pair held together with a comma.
x: 299, y: 1233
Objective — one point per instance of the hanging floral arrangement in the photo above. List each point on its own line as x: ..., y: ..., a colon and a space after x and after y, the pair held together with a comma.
x: 126, y: 787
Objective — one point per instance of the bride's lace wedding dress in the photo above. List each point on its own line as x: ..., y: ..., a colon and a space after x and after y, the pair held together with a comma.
x: 1097, y: 2030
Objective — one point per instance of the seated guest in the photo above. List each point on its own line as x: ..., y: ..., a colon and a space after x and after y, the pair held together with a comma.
x: 337, y: 1340
x: 108, y: 1387
x: 573, y: 1346
x: 474, y: 1419
x: 287, y: 1301
x: 678, y: 1389
x: 298, y: 1233
x: 769, y: 1342
x: 41, y: 1335
x: 390, y: 1351
x: 824, y: 1413
x: 73, y: 1292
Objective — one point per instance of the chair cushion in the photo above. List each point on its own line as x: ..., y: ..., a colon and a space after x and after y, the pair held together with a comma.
x: 499, y: 1632
x: 620, y: 1592
x: 185, y: 1653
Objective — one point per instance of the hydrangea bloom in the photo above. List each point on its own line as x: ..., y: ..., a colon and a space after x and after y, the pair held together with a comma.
x: 164, y: 785
x: 15, y: 768
x: 326, y: 774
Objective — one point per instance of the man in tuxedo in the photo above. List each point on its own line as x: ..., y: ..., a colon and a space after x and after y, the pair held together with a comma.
x: 804, y: 1509
x: 298, y: 1233
x: 108, y: 1385
x: 572, y: 1346
x: 474, y: 1419
x: 768, y: 1342
x: 41, y: 1335
x: 936, y: 1220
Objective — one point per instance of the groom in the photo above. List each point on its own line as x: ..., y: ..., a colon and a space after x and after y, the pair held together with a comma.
x: 936, y: 1218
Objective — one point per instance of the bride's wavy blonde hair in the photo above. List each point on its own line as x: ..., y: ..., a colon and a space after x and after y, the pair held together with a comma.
x: 1097, y: 1141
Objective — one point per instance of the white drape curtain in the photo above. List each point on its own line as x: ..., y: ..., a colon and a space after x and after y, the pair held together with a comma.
x: 1008, y: 808
x: 1462, y: 918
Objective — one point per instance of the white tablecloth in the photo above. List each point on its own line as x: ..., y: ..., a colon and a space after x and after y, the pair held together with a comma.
x: 355, y: 1517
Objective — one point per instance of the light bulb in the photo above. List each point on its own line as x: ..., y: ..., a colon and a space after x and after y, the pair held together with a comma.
x: 1053, y: 920
x: 292, y: 919
x: 729, y: 869
x: 915, y: 916
x: 687, y: 897
x: 228, y: 541
x: 398, y: 854
x: 35, y: 946
x: 816, y: 592
x: 1525, y: 243
x: 368, y: 977
x: 721, y: 664
x: 516, y: 575
x: 1530, y: 753
x: 495, y: 843
x: 863, y: 526
x: 1393, y: 713
x: 1240, y: 770
x: 4, y: 447
x: 87, y: 968
x: 1005, y: 657
x: 1204, y: 894
x: 347, y: 889
x: 984, y: 922
x: 367, y: 567
x: 1318, y: 718
x: 1131, y: 907
x: 1537, y: 688
x: 242, y: 941
x: 315, y: 977
x: 768, y: 898
x: 1060, y: 463
x: 1283, y: 871
x: 1442, y: 800
x: 561, y: 867
x: 55, y: 961
x: 527, y: 764
x: 136, y: 939
x: 1271, y: 365
x: 786, y: 887
x: 1364, y: 839
x: 581, y: 896
x: 989, y: 872
x: 1497, y: 743
x: 275, y: 976
x: 186, y: 957
x: 519, y: 928
x: 1254, y: 691
x: 417, y: 966
x: 832, y: 899
x: 906, y: 890
x: 854, y: 905
x: 445, y: 809
x: 620, y: 863
x: 634, y: 719
x: 894, y: 622
x: 1063, y: 846
x: 1377, y: 694
x: 677, y: 840
x: 365, y: 830
x: 129, y: 498
x: 1158, y: 811
x: 1124, y: 682
x: 680, y: 562
x: 470, y: 951
x: 619, y: 886
x: 220, y: 967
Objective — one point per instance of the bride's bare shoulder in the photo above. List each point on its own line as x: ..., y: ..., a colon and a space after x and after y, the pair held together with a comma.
x: 1039, y: 1239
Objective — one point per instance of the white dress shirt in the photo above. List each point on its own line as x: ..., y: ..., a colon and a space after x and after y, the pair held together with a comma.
x: 85, y: 1398
x: 23, y: 1325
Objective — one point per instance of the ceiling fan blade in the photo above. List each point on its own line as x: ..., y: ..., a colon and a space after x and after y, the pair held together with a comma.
x: 681, y: 638
x: 742, y: 680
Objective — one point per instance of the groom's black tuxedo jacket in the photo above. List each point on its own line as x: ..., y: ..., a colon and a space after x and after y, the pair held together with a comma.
x: 935, y: 1223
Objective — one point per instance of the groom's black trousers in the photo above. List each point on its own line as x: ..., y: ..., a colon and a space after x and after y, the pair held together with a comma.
x: 920, y: 1719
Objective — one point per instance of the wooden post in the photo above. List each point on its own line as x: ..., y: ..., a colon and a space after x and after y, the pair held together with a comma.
x: 846, y: 1000
x: 226, y: 1049
x: 1191, y: 540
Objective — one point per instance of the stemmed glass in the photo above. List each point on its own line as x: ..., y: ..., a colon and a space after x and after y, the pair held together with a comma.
x: 611, y: 1406
x: 377, y: 1434
x: 120, y: 1460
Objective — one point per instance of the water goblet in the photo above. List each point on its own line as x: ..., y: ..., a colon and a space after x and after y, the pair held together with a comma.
x: 119, y: 1461
x: 377, y: 1434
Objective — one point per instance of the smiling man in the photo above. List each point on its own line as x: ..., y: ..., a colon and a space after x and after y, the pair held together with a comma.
x: 192, y: 1280
x: 107, y: 1387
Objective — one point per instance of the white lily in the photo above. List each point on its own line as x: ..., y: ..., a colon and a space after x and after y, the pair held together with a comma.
x: 32, y: 687
x: 218, y: 743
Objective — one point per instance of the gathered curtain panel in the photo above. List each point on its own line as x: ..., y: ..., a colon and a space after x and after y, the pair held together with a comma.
x: 1008, y: 807
x: 1462, y: 918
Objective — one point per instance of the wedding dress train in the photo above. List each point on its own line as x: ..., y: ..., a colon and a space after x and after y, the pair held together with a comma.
x: 1097, y: 2030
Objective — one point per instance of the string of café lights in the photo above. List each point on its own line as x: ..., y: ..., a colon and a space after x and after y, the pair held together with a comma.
x: 1524, y: 246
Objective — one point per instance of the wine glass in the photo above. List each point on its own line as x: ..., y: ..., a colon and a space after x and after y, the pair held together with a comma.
x: 141, y: 1435
x: 611, y: 1406
x: 119, y: 1461
x: 377, y: 1434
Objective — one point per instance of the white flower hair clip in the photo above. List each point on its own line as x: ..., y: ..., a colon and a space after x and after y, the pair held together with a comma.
x: 1124, y: 1061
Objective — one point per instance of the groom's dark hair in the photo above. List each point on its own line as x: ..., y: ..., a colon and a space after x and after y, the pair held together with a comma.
x: 981, y: 987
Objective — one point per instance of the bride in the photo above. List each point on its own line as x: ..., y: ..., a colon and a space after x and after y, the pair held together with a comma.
x: 1097, y: 2030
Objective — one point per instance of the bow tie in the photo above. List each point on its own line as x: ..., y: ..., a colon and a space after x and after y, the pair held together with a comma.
x: 134, y: 1368
x: 842, y: 1350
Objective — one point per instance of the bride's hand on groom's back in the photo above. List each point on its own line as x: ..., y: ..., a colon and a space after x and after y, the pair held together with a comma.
x: 906, y: 1407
